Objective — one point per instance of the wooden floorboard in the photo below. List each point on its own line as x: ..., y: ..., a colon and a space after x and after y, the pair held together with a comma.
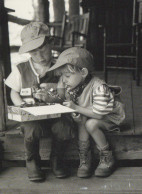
x: 123, y: 180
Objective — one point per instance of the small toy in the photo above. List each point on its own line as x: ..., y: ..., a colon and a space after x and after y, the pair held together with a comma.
x: 45, y: 94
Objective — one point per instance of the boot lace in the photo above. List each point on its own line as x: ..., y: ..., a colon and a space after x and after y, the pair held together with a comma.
x: 105, y: 158
x: 83, y: 153
x: 83, y: 156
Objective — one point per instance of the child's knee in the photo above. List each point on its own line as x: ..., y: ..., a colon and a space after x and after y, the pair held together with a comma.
x: 32, y: 131
x: 92, y: 125
x: 64, y: 129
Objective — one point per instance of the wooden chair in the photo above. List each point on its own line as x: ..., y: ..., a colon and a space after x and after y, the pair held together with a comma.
x: 78, y: 28
x: 122, y: 38
x: 74, y: 32
x: 57, y: 30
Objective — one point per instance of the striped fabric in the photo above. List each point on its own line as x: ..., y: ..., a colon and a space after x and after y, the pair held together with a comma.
x: 103, y: 100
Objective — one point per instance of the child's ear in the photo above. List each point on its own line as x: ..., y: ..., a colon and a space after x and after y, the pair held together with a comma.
x: 84, y: 72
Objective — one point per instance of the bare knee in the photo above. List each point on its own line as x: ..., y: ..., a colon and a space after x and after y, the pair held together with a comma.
x: 92, y: 125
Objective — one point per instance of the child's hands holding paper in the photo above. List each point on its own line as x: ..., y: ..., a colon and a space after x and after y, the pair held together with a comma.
x: 70, y: 104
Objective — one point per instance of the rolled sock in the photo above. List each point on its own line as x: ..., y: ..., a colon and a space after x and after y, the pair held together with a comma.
x: 106, y: 147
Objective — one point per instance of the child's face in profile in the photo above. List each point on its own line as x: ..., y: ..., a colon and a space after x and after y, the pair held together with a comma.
x: 72, y: 79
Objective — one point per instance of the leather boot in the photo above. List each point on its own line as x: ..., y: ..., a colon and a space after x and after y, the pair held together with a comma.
x: 57, y: 162
x: 106, y: 165
x: 33, y: 161
x: 85, y: 167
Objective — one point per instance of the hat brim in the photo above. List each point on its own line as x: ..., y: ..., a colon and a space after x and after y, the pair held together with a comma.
x: 57, y: 65
x: 33, y: 44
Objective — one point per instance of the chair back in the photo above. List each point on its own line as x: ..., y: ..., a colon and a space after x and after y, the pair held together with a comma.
x: 122, y: 45
x: 79, y: 26
x: 120, y: 17
x: 57, y: 30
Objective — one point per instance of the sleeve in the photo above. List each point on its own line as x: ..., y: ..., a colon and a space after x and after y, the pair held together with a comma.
x: 14, y: 80
x: 103, y: 100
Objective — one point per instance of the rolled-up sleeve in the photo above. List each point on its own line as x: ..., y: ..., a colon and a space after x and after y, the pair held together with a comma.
x: 14, y: 80
x: 103, y: 100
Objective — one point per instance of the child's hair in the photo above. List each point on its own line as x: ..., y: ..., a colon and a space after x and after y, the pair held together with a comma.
x: 67, y: 68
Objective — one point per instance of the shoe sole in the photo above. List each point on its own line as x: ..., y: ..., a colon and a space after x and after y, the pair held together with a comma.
x: 105, y: 174
x: 84, y: 176
x: 60, y: 177
x: 36, y: 179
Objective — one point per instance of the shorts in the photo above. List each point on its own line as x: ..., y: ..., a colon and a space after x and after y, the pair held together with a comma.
x: 109, y: 126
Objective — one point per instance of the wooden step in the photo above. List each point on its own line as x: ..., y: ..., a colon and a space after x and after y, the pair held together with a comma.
x: 125, y: 146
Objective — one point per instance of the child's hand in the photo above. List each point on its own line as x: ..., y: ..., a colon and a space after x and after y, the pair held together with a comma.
x: 76, y: 117
x: 47, y: 96
x: 48, y: 86
x: 70, y: 104
x: 60, y: 83
x: 39, y: 95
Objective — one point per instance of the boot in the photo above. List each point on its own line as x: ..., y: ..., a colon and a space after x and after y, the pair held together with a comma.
x: 106, y: 165
x: 85, y: 167
x: 33, y: 161
x: 57, y: 163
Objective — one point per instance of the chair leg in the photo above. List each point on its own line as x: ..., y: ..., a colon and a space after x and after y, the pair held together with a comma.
x: 137, y: 73
x: 134, y: 75
x: 104, y: 55
x: 105, y: 75
x: 138, y: 55
x: 138, y: 82
x: 138, y: 79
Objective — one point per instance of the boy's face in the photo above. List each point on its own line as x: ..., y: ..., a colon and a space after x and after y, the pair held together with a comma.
x: 42, y: 55
x: 71, y: 80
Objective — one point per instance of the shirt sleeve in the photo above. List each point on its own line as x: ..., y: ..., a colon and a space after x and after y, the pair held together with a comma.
x: 14, y: 80
x: 103, y: 100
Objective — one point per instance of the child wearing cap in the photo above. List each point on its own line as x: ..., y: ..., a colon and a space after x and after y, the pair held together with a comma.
x: 36, y: 41
x: 98, y: 108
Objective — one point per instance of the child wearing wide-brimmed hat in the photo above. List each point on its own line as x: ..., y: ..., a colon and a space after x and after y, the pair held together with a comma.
x: 36, y: 41
x: 97, y: 104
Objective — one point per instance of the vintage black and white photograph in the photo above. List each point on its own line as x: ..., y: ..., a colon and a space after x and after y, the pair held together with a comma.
x: 70, y: 96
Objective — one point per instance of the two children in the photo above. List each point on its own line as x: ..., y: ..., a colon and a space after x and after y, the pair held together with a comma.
x: 97, y: 104
x: 36, y: 41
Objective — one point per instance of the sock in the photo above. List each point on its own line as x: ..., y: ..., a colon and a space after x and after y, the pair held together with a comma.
x: 106, y: 147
